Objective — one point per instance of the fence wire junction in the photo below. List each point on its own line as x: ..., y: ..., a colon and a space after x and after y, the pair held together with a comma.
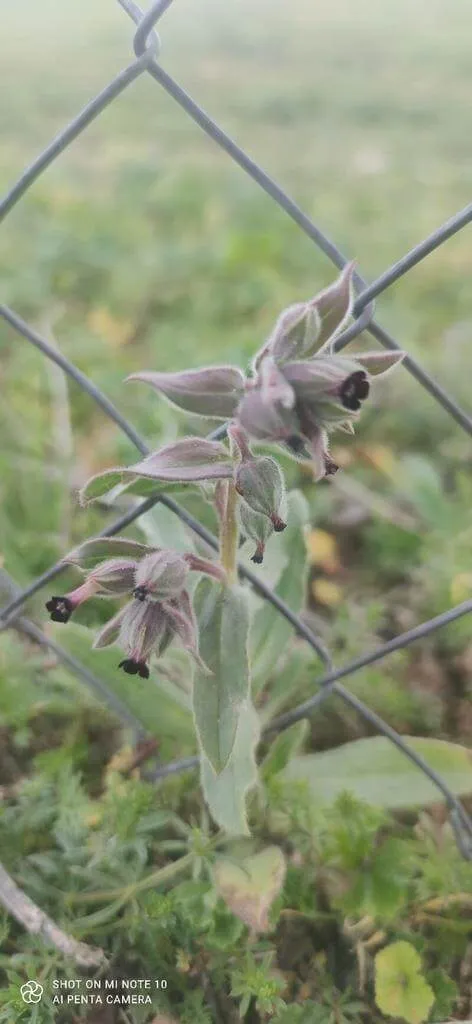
x: 147, y: 47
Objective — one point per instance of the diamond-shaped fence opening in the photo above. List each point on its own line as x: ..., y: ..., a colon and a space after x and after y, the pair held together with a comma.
x: 146, y: 47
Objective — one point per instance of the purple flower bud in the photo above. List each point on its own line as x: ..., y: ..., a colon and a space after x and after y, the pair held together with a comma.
x: 213, y: 391
x: 267, y: 422
x: 274, y: 386
x: 114, y: 576
x: 160, y: 576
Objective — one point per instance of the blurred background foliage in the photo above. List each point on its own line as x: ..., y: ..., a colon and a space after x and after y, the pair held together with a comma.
x: 143, y: 246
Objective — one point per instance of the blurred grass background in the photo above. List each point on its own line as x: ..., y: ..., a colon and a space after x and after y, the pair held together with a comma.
x: 144, y: 246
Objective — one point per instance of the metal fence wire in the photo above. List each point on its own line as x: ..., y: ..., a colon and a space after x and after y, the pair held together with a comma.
x: 147, y: 46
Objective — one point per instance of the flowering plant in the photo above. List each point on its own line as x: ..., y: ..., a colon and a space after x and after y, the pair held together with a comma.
x: 299, y: 389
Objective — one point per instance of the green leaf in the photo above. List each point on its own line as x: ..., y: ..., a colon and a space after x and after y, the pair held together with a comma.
x: 102, y: 483
x: 400, y: 989
x: 284, y: 747
x: 142, y: 487
x: 270, y: 633
x: 377, y: 772
x: 249, y: 888
x: 115, y: 482
x: 445, y: 992
x: 92, y: 552
x: 226, y: 792
x: 221, y: 698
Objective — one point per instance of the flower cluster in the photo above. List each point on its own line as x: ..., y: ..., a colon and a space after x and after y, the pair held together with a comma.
x: 299, y: 390
x: 159, y: 610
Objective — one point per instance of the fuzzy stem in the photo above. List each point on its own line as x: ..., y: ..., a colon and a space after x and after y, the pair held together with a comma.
x: 229, y: 532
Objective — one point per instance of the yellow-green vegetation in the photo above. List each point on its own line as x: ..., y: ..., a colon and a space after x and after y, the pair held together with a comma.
x: 144, y: 247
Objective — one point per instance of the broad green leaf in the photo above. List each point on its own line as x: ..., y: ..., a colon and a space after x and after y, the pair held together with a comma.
x: 219, y: 698
x: 400, y: 989
x: 159, y: 714
x: 284, y: 747
x: 270, y: 632
x: 226, y: 792
x: 377, y: 772
x: 92, y: 552
x: 249, y: 889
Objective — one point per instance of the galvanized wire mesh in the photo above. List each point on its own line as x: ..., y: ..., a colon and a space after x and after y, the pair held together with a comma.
x: 147, y: 47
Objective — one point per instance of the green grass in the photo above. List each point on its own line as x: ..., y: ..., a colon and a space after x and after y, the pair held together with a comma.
x: 144, y: 246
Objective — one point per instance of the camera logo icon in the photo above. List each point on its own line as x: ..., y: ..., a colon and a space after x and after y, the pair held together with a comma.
x: 31, y: 992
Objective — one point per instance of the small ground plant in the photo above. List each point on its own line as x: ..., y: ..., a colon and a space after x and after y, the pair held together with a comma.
x: 298, y: 391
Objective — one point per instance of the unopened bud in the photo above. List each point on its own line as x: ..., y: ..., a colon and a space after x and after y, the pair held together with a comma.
x: 160, y: 576
x: 114, y: 576
x: 258, y: 528
x: 267, y: 421
x: 260, y: 483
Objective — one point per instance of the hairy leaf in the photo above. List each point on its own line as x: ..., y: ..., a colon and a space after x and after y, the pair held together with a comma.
x: 92, y: 552
x: 379, y: 362
x: 113, y: 483
x: 270, y: 633
x: 376, y: 771
x: 191, y: 458
x: 220, y: 699
x: 213, y: 391
x: 226, y: 792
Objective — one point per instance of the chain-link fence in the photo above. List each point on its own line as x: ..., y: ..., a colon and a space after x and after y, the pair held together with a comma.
x: 146, y: 47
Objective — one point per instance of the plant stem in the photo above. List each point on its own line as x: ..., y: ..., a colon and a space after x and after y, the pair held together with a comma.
x: 155, y: 878
x: 229, y: 532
